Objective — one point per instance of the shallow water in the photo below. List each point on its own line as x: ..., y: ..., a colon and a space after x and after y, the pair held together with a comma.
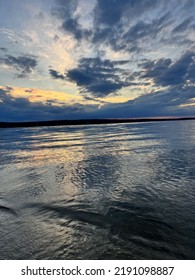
x: 120, y: 191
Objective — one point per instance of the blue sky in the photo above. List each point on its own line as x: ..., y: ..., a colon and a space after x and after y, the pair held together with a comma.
x: 73, y: 59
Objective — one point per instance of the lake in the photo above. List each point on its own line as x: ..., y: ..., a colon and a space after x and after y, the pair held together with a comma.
x: 116, y: 191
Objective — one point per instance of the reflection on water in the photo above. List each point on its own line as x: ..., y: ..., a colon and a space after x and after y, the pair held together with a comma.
x: 122, y: 191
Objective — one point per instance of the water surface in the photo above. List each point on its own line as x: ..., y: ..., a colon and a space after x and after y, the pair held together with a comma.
x: 120, y: 191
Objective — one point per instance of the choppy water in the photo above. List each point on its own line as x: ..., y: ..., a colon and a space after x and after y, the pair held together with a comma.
x: 124, y: 191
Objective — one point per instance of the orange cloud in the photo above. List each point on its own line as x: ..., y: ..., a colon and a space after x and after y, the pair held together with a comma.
x: 59, y: 98
x: 44, y: 96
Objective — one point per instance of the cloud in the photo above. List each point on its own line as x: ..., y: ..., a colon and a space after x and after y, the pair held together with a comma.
x: 21, y: 109
x: 66, y: 11
x: 3, y: 95
x: 72, y: 26
x: 125, y: 25
x: 109, y: 19
x: 56, y: 75
x: 159, y: 103
x: 65, y: 8
x: 99, y: 77
x: 116, y: 24
x: 164, y: 72
x: 182, y: 26
x: 178, y: 40
x: 3, y: 49
x: 112, y: 12
x: 132, y: 40
x: 155, y: 104
x: 105, y: 49
x: 23, y: 64
x: 29, y: 90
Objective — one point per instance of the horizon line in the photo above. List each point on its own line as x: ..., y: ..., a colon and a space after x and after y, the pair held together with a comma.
x: 88, y: 121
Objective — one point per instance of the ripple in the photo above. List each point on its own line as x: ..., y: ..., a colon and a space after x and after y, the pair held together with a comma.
x: 122, y: 191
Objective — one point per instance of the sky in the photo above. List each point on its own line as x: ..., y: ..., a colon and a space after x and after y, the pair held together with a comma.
x: 81, y: 59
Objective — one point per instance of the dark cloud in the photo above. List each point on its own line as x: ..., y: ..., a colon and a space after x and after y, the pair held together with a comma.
x: 144, y: 27
x: 20, y: 109
x: 88, y: 98
x: 23, y: 64
x: 112, y: 18
x: 99, y: 77
x: 3, y: 95
x: 128, y: 25
x: 65, y: 10
x: 109, y: 17
x: 177, y: 40
x: 159, y: 103
x: 4, y: 49
x: 182, y: 26
x: 133, y: 37
x: 56, y: 38
x: 188, y: 5
x: 111, y: 12
x: 9, y: 104
x: 190, y: 75
x: 29, y: 90
x: 156, y: 69
x: 164, y: 103
x: 56, y: 75
x: 164, y: 72
x: 72, y: 26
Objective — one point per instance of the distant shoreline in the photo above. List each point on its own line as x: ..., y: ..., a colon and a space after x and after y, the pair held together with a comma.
x: 88, y: 122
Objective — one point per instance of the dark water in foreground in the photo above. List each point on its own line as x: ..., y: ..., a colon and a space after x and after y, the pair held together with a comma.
x: 124, y: 191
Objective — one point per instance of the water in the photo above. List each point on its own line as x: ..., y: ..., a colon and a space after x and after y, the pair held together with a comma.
x: 121, y: 191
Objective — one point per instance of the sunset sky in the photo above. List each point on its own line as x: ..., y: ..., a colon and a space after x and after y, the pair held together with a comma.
x: 76, y: 59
